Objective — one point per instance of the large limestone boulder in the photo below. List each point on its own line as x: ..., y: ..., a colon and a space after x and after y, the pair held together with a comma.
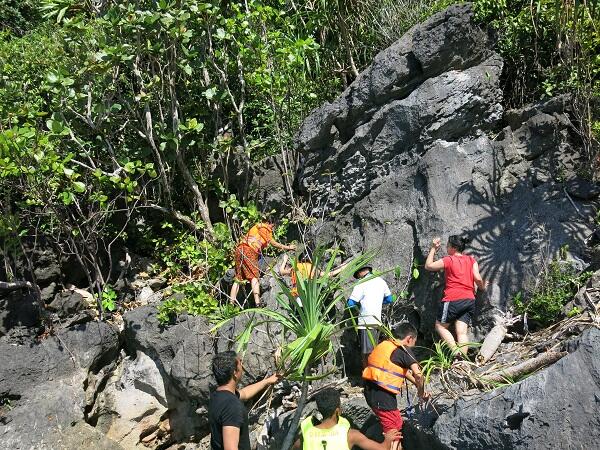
x: 133, y: 406
x: 81, y: 435
x: 51, y: 417
x: 73, y: 351
x: 420, y: 146
x: 182, y: 353
x: 19, y: 313
x: 555, y: 408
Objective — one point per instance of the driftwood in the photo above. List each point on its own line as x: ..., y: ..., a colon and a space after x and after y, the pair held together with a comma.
x: 13, y: 285
x: 526, y: 367
x: 491, y: 343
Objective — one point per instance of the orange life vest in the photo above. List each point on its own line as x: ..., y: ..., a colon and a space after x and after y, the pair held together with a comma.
x: 382, y: 371
x: 259, y: 236
x: 305, y: 270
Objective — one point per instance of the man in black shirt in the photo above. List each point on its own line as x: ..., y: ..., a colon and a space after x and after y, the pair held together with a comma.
x: 389, y: 365
x: 227, y: 415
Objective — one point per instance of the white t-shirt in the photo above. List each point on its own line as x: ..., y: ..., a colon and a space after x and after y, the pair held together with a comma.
x: 370, y: 295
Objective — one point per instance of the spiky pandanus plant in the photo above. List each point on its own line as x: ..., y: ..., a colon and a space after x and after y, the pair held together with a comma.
x: 310, y: 327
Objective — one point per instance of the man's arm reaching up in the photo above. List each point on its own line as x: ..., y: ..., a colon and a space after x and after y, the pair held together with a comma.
x: 251, y: 390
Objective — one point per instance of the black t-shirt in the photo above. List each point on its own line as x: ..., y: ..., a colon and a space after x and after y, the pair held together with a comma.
x: 226, y: 409
x: 380, y: 398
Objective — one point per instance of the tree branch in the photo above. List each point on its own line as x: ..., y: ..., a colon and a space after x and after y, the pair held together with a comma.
x: 14, y: 285
x: 176, y: 215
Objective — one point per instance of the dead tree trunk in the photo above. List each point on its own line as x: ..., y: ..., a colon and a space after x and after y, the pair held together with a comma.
x: 491, y: 343
x: 526, y: 367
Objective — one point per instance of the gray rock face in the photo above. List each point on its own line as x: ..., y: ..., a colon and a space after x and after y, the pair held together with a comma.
x: 582, y: 189
x: 45, y: 382
x: 268, y: 184
x: 81, y: 435
x: 73, y: 306
x: 42, y: 413
x: 143, y: 332
x: 558, y: 407
x: 447, y: 41
x: 19, y: 310
x: 133, y: 404
x: 191, y: 366
x: 83, y: 347
x: 419, y: 146
x: 47, y: 267
x: 183, y: 354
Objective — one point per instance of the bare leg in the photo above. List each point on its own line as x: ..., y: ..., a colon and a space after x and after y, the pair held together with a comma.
x: 461, y: 336
x: 256, y: 291
x: 235, y: 288
x: 445, y: 334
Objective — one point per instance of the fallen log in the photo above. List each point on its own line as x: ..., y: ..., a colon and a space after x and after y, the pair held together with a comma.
x: 490, y: 344
x: 524, y: 368
x: 14, y: 285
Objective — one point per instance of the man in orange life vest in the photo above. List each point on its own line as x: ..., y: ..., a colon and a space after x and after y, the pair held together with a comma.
x: 247, y: 254
x: 389, y: 365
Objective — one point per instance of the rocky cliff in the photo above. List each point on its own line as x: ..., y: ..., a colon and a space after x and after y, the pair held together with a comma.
x: 421, y: 146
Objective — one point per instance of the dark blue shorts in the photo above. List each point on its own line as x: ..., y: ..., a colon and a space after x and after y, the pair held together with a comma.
x: 461, y: 310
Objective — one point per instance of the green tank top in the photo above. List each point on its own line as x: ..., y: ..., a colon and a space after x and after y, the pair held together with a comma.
x: 334, y: 438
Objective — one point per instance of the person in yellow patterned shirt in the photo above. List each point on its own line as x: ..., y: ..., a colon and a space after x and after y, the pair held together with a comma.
x: 305, y: 269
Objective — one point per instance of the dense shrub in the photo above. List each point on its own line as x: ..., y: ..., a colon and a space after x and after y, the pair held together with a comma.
x: 551, y: 47
x: 557, y: 285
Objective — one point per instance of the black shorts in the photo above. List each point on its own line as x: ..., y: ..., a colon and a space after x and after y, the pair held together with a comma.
x: 461, y: 310
x: 369, y: 338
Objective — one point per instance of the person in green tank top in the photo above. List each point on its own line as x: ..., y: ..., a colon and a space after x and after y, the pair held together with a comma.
x: 334, y: 432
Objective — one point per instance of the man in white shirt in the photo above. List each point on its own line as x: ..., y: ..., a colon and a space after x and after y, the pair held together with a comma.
x: 369, y: 296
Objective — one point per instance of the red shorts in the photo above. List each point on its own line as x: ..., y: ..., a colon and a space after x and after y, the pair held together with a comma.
x: 390, y: 420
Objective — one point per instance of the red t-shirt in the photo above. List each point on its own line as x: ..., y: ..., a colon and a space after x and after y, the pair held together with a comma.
x: 458, y: 271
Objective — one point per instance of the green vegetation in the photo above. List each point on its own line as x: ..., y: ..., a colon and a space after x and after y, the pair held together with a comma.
x: 312, y: 324
x: 109, y: 297
x: 557, y: 285
x: 306, y: 339
x: 18, y: 16
x: 441, y: 358
x: 119, y: 121
x: 574, y: 312
x: 193, y: 298
x: 551, y: 47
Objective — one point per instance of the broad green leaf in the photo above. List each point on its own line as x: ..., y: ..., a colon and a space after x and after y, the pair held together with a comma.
x: 79, y: 186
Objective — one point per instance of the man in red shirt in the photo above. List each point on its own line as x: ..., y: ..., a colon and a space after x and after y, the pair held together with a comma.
x: 461, y: 273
